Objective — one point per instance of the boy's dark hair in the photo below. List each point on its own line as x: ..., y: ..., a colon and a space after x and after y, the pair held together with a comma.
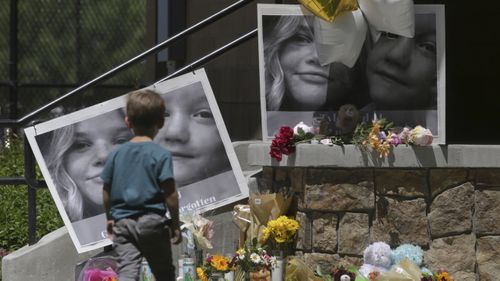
x: 145, y: 109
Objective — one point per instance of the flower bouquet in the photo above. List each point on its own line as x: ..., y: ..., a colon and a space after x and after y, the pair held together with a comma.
x: 280, y: 234
x: 99, y: 269
x: 254, y: 260
x: 379, y: 135
x: 215, y: 266
x: 200, y: 228
x: 283, y: 143
x: 198, y: 232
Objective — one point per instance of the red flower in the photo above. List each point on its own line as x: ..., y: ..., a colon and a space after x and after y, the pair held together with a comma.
x: 275, y: 152
x: 286, y: 132
x: 282, y: 143
x: 288, y: 149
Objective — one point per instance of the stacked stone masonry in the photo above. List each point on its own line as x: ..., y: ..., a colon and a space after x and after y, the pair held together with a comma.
x: 452, y: 213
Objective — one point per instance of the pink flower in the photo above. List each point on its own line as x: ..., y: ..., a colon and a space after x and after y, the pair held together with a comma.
x: 404, y: 136
x: 99, y: 274
x: 394, y: 139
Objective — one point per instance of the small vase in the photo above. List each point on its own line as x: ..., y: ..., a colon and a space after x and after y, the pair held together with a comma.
x: 145, y: 272
x: 217, y: 276
x: 279, y: 270
x: 261, y: 275
x: 229, y: 276
x: 199, y: 258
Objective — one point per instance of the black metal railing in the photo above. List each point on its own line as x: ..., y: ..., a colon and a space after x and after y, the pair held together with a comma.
x: 29, y: 177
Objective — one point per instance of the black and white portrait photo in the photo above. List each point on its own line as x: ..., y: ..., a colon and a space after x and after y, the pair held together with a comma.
x: 71, y: 151
x: 202, y: 168
x: 75, y: 155
x: 399, y: 78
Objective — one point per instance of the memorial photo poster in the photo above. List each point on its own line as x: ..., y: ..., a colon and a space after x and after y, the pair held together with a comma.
x: 72, y: 149
x: 398, y: 78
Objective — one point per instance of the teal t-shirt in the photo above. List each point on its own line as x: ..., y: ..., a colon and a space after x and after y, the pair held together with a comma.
x: 135, y: 170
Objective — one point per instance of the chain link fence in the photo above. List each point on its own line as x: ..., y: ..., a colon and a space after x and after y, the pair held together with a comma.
x: 62, y: 44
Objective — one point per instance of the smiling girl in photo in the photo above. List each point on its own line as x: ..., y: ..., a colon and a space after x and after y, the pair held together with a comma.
x: 75, y: 158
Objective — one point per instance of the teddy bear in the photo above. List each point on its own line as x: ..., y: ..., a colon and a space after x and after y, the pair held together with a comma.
x: 348, y: 117
x: 376, y: 257
x: 411, y: 252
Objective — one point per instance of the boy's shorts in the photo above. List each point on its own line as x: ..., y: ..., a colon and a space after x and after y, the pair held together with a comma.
x: 149, y: 236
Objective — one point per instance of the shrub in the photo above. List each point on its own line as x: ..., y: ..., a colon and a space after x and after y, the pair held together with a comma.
x: 14, y: 203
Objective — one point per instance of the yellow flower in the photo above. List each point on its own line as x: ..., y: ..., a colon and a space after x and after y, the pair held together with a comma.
x: 382, y: 146
x: 220, y: 263
x: 266, y: 232
x: 201, y: 274
x: 444, y: 276
x: 282, y: 229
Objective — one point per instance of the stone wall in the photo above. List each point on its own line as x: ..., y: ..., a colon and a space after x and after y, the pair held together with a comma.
x: 452, y: 213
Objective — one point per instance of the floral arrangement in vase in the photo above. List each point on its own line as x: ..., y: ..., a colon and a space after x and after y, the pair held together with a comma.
x: 198, y: 233
x: 197, y: 229
x: 215, y: 265
x: 280, y: 234
x: 253, y: 258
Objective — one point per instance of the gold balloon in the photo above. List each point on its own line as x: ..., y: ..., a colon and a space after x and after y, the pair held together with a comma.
x: 329, y: 9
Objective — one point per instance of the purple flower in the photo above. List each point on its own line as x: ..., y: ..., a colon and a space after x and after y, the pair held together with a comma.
x: 394, y: 139
x: 382, y: 135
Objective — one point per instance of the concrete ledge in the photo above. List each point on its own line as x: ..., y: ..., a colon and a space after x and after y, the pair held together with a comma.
x: 53, y: 258
x: 351, y: 156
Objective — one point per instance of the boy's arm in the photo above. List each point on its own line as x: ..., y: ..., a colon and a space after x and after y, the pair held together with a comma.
x: 172, y: 202
x: 107, y: 207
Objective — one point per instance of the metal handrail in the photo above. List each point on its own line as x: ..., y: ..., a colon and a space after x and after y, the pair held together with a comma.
x: 212, y: 55
x: 29, y: 117
x: 29, y: 173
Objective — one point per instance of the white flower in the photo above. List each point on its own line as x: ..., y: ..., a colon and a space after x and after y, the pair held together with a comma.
x: 304, y: 127
x: 421, y: 136
x: 242, y: 256
x: 326, y: 142
x: 272, y: 261
x: 255, y: 258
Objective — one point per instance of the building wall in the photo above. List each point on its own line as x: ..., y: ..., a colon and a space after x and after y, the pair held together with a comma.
x: 452, y: 213
x: 471, y: 67
x: 233, y: 76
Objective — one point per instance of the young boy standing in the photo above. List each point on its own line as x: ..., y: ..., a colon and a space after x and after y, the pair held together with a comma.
x: 138, y: 188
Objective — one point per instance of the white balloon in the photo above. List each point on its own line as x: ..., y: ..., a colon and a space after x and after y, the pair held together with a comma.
x: 340, y: 40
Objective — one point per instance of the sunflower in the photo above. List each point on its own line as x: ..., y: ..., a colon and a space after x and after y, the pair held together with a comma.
x: 220, y: 263
x: 201, y: 274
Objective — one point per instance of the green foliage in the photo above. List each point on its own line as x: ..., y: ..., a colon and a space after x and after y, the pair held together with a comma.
x: 361, y: 133
x: 14, y: 203
x: 363, y: 129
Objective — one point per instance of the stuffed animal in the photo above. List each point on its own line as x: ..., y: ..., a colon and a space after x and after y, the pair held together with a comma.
x: 376, y: 257
x: 345, y: 277
x: 411, y: 252
x: 347, y: 119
